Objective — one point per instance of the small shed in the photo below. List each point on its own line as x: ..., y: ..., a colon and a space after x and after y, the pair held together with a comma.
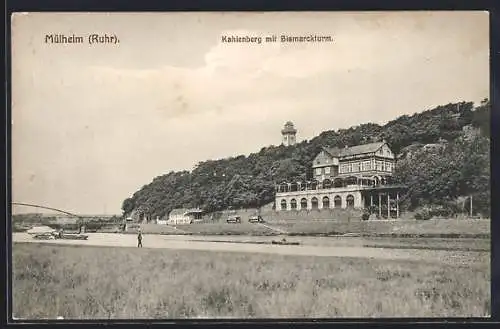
x: 184, y: 216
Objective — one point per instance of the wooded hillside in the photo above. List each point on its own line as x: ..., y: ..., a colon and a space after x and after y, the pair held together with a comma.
x: 458, y: 165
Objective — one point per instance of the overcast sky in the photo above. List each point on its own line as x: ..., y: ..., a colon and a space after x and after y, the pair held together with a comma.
x: 94, y: 123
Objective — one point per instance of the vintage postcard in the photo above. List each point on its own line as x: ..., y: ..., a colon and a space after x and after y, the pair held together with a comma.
x: 220, y: 165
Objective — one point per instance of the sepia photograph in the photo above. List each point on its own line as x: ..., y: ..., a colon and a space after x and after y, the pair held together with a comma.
x: 250, y: 165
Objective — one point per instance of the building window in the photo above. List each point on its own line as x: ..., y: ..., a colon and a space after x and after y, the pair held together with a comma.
x: 314, y: 185
x: 318, y: 171
x: 283, y: 204
x: 366, y: 166
x: 355, y: 167
x: 293, y: 204
x: 388, y: 166
x: 351, y: 181
x: 379, y: 165
x: 327, y: 170
x: 303, y: 203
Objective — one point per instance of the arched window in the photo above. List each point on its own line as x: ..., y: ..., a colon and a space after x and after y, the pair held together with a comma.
x: 337, y: 201
x: 326, y: 202
x: 350, y: 201
x: 314, y: 185
x: 352, y: 180
x: 303, y: 203
x: 314, y: 203
x: 293, y: 204
x: 327, y: 183
x: 337, y: 182
x: 283, y: 204
x: 294, y: 187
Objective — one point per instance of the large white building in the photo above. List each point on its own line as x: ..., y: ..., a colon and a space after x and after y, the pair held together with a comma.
x: 356, y: 177
x: 183, y: 216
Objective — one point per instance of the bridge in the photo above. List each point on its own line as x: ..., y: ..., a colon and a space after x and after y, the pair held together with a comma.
x: 82, y: 221
x: 44, y: 207
x: 80, y: 218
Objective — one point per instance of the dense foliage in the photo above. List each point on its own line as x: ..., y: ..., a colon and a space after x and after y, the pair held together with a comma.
x: 457, y: 166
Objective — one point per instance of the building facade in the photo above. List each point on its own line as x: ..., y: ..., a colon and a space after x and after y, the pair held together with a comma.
x: 183, y: 216
x: 358, y: 177
x: 289, y: 134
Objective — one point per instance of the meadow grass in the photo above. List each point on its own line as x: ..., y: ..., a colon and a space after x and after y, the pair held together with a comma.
x: 109, y: 283
x: 444, y: 227
x: 399, y: 227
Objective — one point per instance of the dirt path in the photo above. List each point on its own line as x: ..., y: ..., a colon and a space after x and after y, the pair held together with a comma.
x: 189, y: 243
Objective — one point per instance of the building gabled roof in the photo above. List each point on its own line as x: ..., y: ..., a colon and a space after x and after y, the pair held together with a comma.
x: 361, y: 149
x: 354, y: 150
x: 178, y: 211
x: 333, y: 151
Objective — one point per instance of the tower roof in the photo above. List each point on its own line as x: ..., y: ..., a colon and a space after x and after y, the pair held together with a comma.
x: 289, y: 128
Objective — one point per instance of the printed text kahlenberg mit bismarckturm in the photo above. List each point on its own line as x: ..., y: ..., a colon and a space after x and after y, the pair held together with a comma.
x: 274, y: 38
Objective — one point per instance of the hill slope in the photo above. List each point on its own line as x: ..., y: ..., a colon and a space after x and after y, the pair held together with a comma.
x: 458, y: 165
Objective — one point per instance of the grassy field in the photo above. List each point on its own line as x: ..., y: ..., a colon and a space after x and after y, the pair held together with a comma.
x: 99, y: 282
x: 428, y: 243
x: 401, y: 227
x: 404, y: 228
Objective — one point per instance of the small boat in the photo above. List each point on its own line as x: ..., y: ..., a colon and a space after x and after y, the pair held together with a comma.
x: 285, y: 243
x: 69, y: 236
x: 41, y: 230
x: 44, y: 236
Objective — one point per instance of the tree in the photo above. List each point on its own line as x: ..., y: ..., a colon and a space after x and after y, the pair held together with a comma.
x: 128, y: 205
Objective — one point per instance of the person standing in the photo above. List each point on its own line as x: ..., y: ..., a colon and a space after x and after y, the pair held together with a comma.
x: 139, y: 239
